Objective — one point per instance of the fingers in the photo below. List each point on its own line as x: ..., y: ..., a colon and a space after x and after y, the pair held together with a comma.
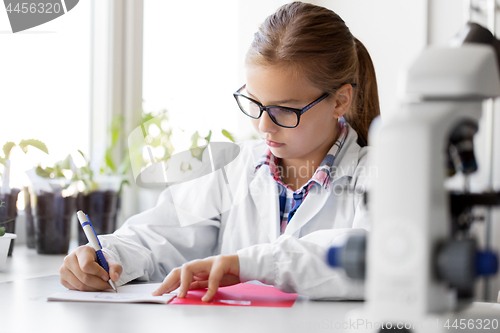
x: 183, y: 277
x: 115, y: 269
x: 87, y: 264
x: 72, y: 282
x: 187, y: 272
x: 216, y: 275
x: 80, y: 271
x: 227, y: 280
x: 198, y: 285
x: 199, y: 274
x: 225, y: 271
x: 171, y: 282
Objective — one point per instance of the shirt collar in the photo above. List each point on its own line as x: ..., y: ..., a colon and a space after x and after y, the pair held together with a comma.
x: 322, y: 173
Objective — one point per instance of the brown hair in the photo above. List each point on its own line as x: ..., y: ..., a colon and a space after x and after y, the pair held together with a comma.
x: 315, y: 42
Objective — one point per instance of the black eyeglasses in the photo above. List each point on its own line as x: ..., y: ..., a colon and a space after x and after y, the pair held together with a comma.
x: 281, y: 115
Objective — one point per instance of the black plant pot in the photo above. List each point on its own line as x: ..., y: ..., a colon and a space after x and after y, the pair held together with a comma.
x: 102, y: 209
x: 30, y: 227
x: 8, y: 211
x: 52, y: 222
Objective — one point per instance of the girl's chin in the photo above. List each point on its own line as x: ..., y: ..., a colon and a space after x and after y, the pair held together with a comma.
x: 278, y: 152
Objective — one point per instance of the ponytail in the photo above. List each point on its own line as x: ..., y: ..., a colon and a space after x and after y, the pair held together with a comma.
x: 365, y: 107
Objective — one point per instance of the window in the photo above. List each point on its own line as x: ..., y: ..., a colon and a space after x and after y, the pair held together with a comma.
x: 190, y: 65
x: 193, y: 62
x: 45, y: 84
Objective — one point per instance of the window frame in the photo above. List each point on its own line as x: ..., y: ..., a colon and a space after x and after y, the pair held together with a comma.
x: 116, y: 79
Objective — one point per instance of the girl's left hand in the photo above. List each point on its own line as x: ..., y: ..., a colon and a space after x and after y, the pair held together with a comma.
x: 211, y: 273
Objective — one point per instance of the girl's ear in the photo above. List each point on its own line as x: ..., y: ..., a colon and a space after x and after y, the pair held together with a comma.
x: 343, y: 99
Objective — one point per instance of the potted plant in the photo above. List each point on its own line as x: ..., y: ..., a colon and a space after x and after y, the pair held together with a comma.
x: 28, y: 214
x: 8, y: 196
x: 5, y: 240
x: 101, y: 197
x: 150, y: 145
x: 53, y: 203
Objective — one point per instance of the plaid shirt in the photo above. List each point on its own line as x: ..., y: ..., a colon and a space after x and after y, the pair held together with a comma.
x: 290, y: 200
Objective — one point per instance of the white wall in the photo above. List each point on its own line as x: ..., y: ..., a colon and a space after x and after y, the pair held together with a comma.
x: 393, y: 31
x: 446, y: 17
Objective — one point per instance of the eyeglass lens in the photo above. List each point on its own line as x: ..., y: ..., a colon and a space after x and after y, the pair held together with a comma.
x: 280, y: 116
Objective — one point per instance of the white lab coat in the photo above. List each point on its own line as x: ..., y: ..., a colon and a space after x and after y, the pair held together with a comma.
x: 197, y: 219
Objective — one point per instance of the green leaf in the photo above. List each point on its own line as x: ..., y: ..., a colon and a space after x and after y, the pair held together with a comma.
x: 65, y: 164
x: 194, y: 139
x: 207, y: 138
x: 7, y: 148
x: 228, y: 135
x: 115, y: 129
x: 109, y: 161
x: 121, y: 186
x: 43, y: 172
x: 90, y: 186
x: 115, y: 134
x: 7, y: 221
x: 83, y: 155
x: 34, y: 143
x: 2, y: 231
x: 147, y: 117
x: 58, y: 172
x: 197, y: 153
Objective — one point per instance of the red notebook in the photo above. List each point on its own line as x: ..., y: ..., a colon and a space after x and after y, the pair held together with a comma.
x: 242, y: 294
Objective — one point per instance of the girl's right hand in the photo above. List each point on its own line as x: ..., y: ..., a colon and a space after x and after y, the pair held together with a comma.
x: 80, y: 271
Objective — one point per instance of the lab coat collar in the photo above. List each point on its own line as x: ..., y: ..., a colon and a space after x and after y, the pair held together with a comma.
x: 313, y: 203
x: 344, y: 165
x: 264, y: 192
x: 346, y: 162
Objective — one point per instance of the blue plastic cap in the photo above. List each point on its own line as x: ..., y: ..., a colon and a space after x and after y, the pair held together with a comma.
x: 334, y: 256
x: 486, y: 263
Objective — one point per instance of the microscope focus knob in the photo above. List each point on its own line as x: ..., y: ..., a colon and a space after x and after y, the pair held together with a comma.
x: 459, y: 263
x: 351, y: 257
x: 486, y: 263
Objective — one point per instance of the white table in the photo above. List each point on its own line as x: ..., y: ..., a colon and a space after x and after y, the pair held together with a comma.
x: 24, y: 308
x: 30, y: 278
x: 27, y: 263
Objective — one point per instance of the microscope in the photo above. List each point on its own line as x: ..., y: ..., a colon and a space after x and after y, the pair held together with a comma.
x: 419, y: 261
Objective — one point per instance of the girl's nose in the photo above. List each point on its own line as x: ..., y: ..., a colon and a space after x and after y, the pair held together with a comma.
x: 266, y: 125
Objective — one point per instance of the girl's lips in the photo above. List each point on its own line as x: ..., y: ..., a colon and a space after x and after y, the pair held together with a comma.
x: 274, y: 144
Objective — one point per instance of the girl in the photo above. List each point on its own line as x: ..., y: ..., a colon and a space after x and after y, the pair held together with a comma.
x: 311, y: 94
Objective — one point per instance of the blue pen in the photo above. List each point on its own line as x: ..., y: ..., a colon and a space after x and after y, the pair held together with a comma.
x: 94, y: 242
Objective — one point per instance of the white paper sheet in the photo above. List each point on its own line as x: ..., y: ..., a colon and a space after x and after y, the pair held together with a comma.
x: 133, y: 293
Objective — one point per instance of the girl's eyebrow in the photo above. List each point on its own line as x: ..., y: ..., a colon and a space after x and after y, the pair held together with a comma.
x: 285, y: 101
